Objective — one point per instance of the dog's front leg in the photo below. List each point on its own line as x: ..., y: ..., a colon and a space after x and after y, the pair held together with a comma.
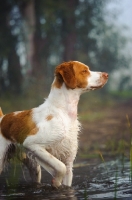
x: 50, y: 163
x: 67, y: 180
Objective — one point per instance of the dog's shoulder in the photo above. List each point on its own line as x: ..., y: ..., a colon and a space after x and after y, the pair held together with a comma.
x: 17, y: 125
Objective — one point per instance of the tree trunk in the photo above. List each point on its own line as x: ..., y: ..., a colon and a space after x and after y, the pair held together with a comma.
x: 69, y: 31
x: 14, y: 71
x: 32, y: 41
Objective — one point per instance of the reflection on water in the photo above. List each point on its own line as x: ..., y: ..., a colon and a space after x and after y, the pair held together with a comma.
x: 108, y: 181
x: 111, y: 180
x: 38, y: 193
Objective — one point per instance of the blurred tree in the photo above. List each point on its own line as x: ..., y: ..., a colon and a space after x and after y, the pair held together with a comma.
x: 109, y: 54
x: 31, y: 34
x: 14, y: 72
x: 124, y: 83
x: 2, y: 81
x: 10, y: 79
x: 54, y: 31
x: 69, y: 24
x: 68, y: 29
x: 89, y: 17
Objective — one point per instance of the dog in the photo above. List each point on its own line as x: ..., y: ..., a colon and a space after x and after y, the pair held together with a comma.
x: 50, y: 131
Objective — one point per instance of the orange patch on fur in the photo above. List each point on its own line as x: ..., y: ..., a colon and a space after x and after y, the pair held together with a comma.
x: 16, y: 127
x: 65, y: 73
x: 58, y: 81
x: 49, y: 117
x: 81, y: 74
x: 73, y: 73
x: 1, y: 113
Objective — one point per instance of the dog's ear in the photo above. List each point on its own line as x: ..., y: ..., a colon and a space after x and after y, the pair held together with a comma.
x: 65, y: 72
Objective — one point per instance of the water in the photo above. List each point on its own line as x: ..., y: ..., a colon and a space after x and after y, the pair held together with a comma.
x: 111, y: 180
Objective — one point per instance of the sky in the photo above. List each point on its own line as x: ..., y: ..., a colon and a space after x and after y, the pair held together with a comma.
x: 125, y: 18
x: 122, y: 9
x: 124, y: 13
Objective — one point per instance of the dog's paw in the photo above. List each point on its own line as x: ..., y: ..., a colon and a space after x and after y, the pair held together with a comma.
x: 55, y: 183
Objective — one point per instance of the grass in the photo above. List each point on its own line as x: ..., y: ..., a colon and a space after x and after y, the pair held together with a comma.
x: 130, y: 131
x: 124, y: 94
x: 14, y: 175
x: 117, y: 147
x: 92, y: 106
x: 112, y: 149
x: 11, y: 103
x: 123, y: 148
x: 95, y: 101
x: 120, y: 148
x: 88, y: 101
x: 91, y: 116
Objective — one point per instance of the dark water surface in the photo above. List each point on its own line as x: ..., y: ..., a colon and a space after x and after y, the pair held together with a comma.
x: 111, y: 180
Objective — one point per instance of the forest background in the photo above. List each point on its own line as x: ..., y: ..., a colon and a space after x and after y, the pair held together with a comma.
x: 37, y: 35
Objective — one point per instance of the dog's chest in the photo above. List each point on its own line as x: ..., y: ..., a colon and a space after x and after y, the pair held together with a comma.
x: 67, y: 146
x: 58, y: 133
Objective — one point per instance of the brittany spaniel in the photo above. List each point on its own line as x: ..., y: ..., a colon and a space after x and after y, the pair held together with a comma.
x: 49, y: 132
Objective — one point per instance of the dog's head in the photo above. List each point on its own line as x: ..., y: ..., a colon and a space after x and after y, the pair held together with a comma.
x: 77, y: 75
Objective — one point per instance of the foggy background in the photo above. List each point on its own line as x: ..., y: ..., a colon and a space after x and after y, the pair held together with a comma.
x: 37, y: 35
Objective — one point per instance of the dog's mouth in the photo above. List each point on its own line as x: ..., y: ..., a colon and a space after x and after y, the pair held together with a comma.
x: 93, y: 88
x: 96, y: 87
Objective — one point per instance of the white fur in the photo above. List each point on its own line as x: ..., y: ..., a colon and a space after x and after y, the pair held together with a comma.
x: 94, y: 79
x: 59, y: 136
x: 3, y: 148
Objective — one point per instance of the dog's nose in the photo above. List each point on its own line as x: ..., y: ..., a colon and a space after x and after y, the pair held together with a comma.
x: 105, y: 75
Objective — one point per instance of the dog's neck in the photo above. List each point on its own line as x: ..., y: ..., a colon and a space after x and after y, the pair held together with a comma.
x: 66, y: 99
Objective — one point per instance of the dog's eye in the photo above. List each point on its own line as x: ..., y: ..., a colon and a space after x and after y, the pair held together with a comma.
x: 84, y: 71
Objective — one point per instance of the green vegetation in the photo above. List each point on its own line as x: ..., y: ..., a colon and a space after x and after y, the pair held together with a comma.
x: 94, y: 107
x: 31, y: 99
x: 14, y: 175
x: 124, y: 94
x: 130, y: 131
x: 91, y: 116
